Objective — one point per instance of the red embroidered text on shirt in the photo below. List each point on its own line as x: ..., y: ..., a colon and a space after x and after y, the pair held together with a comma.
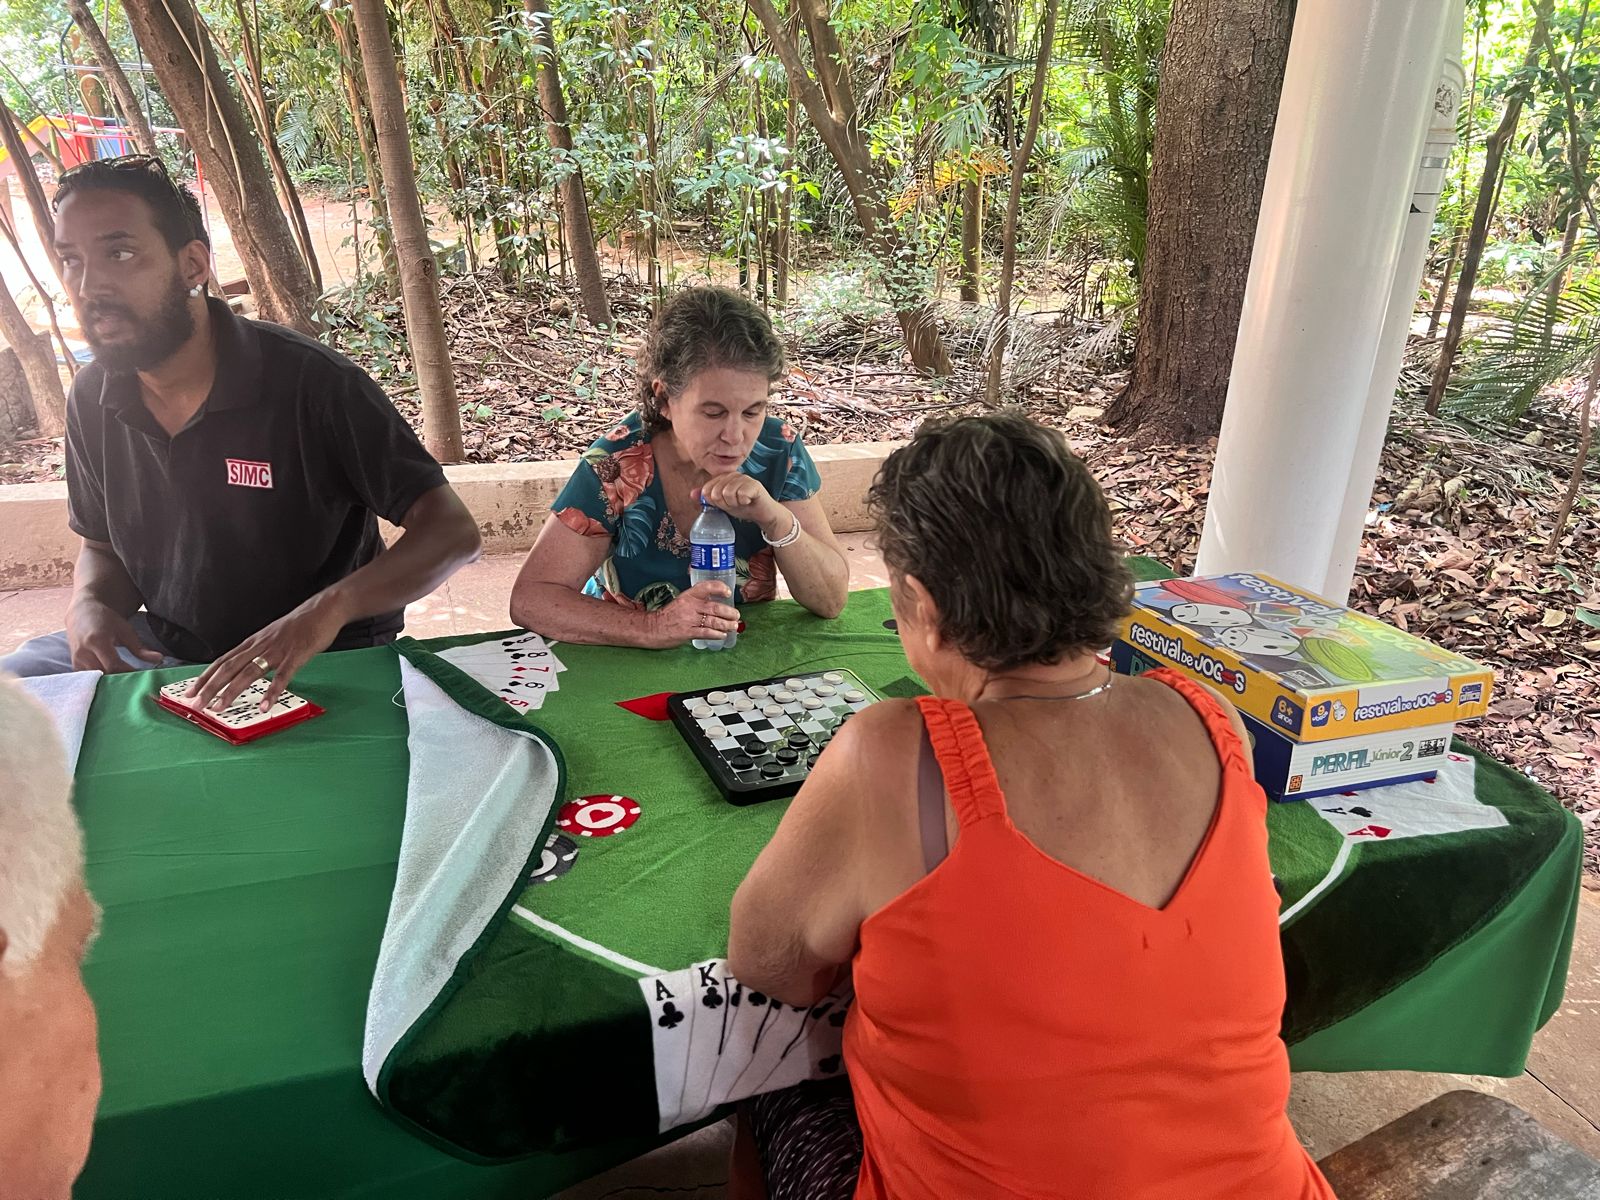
x: 244, y: 473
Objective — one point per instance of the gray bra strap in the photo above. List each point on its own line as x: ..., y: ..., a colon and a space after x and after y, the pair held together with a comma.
x: 930, y: 804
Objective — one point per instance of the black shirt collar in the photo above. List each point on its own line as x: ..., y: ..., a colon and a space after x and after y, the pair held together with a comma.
x: 237, y: 382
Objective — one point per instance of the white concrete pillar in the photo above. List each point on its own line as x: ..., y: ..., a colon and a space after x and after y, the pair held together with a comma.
x: 1441, y: 140
x: 1357, y: 101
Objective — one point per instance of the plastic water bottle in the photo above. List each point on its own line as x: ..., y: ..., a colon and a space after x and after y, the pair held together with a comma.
x: 711, y: 560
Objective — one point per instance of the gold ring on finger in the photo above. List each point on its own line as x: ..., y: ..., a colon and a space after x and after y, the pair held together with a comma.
x: 261, y: 664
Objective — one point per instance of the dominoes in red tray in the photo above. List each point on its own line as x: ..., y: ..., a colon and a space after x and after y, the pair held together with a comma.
x: 242, y: 721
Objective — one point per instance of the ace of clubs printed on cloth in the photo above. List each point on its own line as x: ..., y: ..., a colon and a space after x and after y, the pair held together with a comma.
x: 717, y: 1041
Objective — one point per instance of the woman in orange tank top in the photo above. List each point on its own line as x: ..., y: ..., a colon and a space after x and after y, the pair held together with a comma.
x: 1051, y: 884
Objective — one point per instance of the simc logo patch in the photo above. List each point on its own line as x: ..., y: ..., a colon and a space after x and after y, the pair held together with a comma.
x: 244, y: 473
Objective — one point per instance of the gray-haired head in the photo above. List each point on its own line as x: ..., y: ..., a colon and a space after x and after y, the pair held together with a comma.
x: 1010, y: 534
x: 41, y: 846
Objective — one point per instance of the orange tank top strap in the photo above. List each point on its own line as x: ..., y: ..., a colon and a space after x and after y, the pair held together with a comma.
x: 963, y: 757
x: 1230, y: 750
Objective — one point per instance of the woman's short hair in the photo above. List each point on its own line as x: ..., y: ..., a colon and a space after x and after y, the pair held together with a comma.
x: 41, y: 847
x: 698, y: 329
x: 1010, y: 534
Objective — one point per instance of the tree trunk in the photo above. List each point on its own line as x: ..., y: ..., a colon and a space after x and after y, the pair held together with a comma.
x: 44, y: 222
x: 1558, y: 281
x: 256, y: 95
x: 786, y: 208
x: 1221, y: 72
x: 121, y: 90
x: 180, y: 50
x: 1019, y: 167
x: 972, y: 240
x: 659, y: 216
x: 759, y: 211
x: 830, y: 103
x: 643, y: 168
x: 8, y: 228
x: 44, y: 146
x: 419, y: 282
x: 1494, y: 150
x: 574, y: 200
x: 1444, y: 284
x: 38, y: 367
x: 1578, y: 163
x: 447, y: 40
x: 1580, y: 458
x: 361, y: 118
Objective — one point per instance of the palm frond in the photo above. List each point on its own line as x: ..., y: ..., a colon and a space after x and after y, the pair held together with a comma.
x: 1517, y: 350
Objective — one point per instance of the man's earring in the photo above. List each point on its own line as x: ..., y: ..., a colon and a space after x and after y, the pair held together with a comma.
x: 197, y: 289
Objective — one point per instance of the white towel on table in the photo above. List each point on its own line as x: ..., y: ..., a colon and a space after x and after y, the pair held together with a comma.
x: 68, y: 697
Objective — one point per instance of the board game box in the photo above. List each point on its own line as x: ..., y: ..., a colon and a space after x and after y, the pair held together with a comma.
x: 1315, y: 671
x: 759, y: 740
x: 1291, y: 770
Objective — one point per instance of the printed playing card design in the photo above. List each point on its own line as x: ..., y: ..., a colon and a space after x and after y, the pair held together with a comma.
x: 521, y: 670
x: 1417, y: 809
x: 242, y: 720
x: 1448, y: 804
x: 671, y: 1025
x: 714, y: 998
x: 716, y: 1041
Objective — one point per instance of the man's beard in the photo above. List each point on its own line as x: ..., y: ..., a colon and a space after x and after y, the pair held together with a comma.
x: 153, y: 339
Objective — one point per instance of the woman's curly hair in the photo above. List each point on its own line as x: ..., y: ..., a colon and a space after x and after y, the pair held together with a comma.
x: 701, y: 328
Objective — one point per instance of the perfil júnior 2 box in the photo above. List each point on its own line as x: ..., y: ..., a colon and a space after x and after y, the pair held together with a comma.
x: 1295, y: 662
x: 1288, y: 769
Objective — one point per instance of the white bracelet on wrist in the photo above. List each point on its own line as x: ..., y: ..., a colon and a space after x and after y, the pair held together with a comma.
x: 787, y: 539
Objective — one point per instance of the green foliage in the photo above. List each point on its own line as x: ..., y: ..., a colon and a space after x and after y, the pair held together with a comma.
x: 942, y: 89
x: 1520, y: 348
x: 364, y: 324
x: 842, y: 294
x: 1520, y: 340
x: 1104, y: 170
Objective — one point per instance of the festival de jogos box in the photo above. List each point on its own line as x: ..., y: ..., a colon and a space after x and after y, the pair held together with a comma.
x: 1333, y: 700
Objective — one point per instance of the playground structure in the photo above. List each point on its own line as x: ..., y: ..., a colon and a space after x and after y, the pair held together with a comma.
x: 67, y: 140
x: 74, y: 139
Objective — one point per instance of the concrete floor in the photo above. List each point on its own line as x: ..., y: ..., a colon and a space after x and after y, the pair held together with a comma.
x: 1561, y: 1087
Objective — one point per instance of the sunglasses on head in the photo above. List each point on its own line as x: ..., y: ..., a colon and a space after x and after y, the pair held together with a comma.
x: 131, y: 164
x: 124, y: 162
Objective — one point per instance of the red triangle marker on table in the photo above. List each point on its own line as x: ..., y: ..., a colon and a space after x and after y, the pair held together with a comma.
x: 651, y: 708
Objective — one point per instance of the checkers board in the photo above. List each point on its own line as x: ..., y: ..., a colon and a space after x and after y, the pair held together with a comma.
x: 759, y: 740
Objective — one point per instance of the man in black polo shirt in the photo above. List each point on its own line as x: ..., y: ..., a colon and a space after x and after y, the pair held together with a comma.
x: 224, y: 474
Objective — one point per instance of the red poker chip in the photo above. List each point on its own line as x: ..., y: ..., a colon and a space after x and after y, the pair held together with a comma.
x: 598, y: 816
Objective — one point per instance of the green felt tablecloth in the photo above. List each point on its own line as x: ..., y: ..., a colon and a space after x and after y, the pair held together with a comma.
x: 245, y: 891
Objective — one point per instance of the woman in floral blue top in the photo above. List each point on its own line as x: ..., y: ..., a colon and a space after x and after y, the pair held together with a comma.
x: 611, y: 565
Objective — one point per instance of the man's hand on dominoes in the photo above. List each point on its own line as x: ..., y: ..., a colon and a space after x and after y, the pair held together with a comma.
x: 284, y: 647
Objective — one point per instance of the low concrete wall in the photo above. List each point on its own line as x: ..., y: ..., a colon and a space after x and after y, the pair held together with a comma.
x: 510, y: 501
x: 36, y: 547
